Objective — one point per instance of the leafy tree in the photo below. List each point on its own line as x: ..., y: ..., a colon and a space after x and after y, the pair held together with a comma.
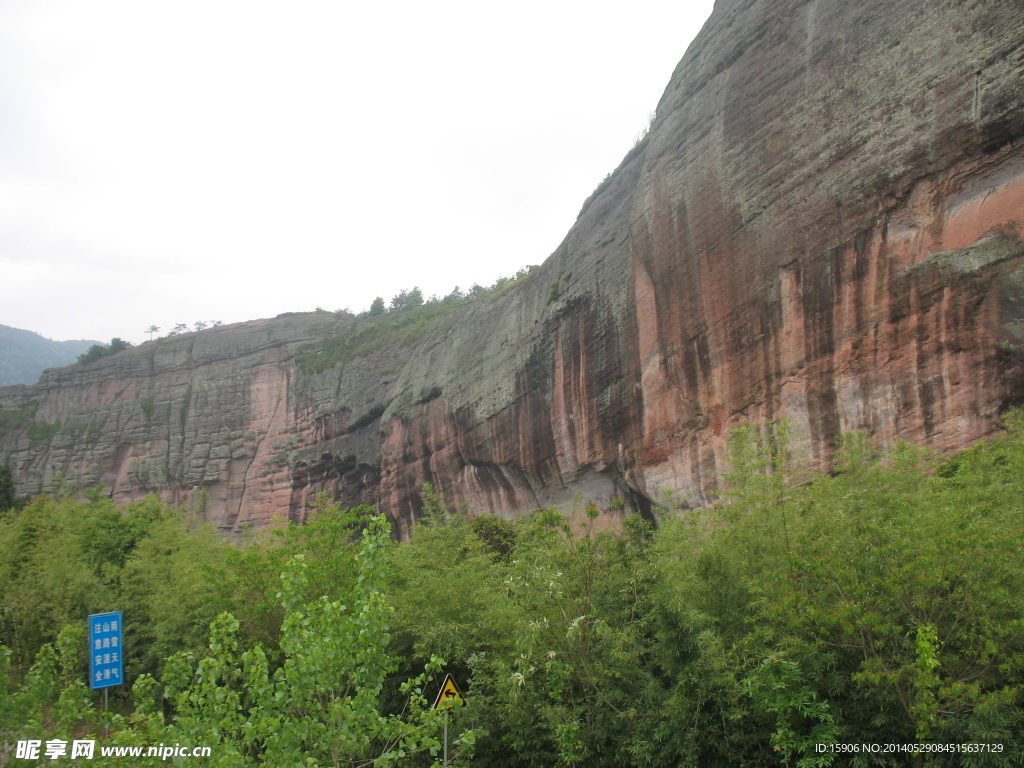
x: 98, y: 351
x: 454, y: 296
x: 61, y: 559
x: 574, y: 684
x: 251, y: 579
x: 169, y: 587
x: 321, y: 706
x: 151, y: 330
x: 8, y: 498
x: 95, y: 352
x: 879, y: 605
x: 406, y: 299
x: 399, y: 301
x: 118, y: 345
x: 377, y: 306
x: 24, y: 708
x: 45, y: 578
x: 448, y: 589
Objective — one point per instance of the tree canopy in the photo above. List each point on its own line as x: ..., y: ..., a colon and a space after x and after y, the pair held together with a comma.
x: 883, y: 604
x: 98, y: 351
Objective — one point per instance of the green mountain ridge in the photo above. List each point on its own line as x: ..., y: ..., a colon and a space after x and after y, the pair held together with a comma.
x: 24, y: 355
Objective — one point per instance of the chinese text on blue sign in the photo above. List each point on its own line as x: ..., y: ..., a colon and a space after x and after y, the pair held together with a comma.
x: 106, y: 651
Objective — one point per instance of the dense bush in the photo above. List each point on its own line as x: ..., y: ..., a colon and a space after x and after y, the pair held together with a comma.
x: 98, y: 351
x: 881, y: 605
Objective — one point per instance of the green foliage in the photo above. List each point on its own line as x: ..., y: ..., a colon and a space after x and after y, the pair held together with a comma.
x: 405, y: 299
x: 8, y: 497
x: 84, y: 432
x: 250, y: 578
x: 321, y: 706
x: 554, y: 293
x: 391, y: 329
x: 605, y: 183
x: 24, y: 355
x: 62, y: 559
x: 11, y: 420
x: 24, y: 707
x: 497, y: 534
x: 503, y: 284
x: 95, y: 352
x: 41, y: 431
x: 566, y: 684
x: 169, y: 586
x: 408, y: 320
x: 638, y: 147
x: 46, y: 579
x: 446, y: 585
x: 99, y: 351
x: 883, y: 604
x: 879, y: 605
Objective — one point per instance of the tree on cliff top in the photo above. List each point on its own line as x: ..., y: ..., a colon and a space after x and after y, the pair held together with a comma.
x: 97, y: 351
x: 407, y: 299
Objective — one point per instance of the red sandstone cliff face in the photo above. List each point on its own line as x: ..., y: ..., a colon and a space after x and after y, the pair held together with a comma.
x: 824, y: 225
x: 798, y: 235
x: 206, y: 411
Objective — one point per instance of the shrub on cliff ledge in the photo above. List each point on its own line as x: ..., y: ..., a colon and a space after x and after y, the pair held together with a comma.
x: 8, y: 498
x: 98, y: 351
x: 403, y: 325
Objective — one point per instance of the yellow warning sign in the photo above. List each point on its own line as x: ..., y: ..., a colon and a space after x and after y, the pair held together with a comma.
x: 448, y: 694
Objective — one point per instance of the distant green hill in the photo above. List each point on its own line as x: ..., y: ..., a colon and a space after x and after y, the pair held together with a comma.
x: 25, y: 354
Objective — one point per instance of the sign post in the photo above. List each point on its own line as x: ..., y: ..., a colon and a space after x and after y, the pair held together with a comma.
x: 106, y: 652
x: 446, y: 698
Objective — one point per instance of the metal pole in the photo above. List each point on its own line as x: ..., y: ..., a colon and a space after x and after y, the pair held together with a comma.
x: 106, y: 729
x: 445, y: 740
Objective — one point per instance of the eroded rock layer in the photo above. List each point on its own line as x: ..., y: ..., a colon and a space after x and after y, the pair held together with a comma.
x: 824, y: 224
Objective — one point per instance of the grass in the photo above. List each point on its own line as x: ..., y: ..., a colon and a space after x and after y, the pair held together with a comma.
x: 40, y: 431
x: 637, y: 148
x: 85, y: 433
x: 11, y: 420
x: 404, y: 327
x: 554, y: 293
x: 391, y: 329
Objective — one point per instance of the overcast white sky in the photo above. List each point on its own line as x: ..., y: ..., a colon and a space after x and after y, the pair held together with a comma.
x: 165, y: 162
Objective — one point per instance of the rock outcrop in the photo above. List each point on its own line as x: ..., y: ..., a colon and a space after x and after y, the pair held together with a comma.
x: 824, y: 224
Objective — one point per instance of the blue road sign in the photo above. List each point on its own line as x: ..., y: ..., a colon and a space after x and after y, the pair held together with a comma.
x: 106, y: 650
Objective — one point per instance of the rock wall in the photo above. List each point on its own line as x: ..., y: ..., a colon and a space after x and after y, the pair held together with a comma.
x: 823, y: 224
x: 798, y: 238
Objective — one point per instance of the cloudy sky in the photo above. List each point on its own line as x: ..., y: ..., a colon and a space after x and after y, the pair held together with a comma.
x: 166, y: 162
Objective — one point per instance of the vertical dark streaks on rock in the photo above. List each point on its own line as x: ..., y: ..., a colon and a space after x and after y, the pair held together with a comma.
x: 823, y: 225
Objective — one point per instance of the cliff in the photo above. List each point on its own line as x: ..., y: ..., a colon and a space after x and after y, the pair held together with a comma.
x: 824, y: 223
